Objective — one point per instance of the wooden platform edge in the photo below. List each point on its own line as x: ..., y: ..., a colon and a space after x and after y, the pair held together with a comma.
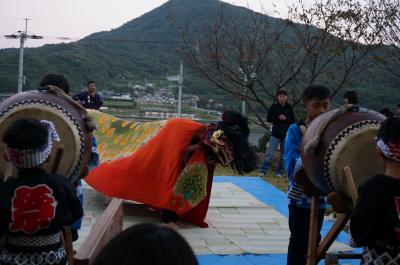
x: 106, y: 227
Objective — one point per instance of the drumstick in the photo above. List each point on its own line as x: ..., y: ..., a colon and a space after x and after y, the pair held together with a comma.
x: 347, y: 173
x: 8, y: 171
x: 57, y: 158
x: 68, y: 245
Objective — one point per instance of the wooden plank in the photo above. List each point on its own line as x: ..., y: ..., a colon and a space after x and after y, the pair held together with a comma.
x: 59, y: 150
x: 8, y: 171
x: 106, y: 227
x: 331, y: 259
x: 346, y: 255
x: 332, y: 234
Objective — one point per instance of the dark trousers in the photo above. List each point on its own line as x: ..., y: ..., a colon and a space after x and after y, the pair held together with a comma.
x: 299, y: 223
x: 168, y: 216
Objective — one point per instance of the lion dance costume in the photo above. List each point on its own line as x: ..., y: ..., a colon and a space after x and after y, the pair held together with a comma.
x: 145, y: 161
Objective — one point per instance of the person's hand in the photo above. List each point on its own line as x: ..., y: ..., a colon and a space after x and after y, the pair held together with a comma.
x: 349, y: 106
x: 340, y: 202
x: 301, y: 177
x: 85, y: 172
x: 282, y: 117
x: 302, y: 129
x: 309, y: 188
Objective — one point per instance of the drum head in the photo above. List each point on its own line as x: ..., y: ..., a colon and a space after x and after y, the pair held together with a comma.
x: 353, y: 147
x: 74, y: 139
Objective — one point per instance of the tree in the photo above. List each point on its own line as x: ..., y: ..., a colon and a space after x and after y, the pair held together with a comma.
x: 252, y: 55
x: 385, y: 15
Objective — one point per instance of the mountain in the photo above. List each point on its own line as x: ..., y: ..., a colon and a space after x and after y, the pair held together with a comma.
x: 147, y: 47
x: 144, y: 47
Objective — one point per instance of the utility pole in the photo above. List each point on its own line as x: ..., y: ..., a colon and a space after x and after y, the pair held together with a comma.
x: 253, y: 76
x: 22, y: 39
x: 244, y: 91
x: 178, y: 78
x: 22, y: 36
x: 180, y: 82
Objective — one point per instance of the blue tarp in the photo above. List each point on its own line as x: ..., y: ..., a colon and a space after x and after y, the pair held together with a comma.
x: 271, y: 196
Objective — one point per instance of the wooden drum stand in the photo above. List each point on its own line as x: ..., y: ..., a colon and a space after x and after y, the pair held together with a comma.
x: 341, y: 205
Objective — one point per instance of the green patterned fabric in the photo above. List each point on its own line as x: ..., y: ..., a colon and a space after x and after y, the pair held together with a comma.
x: 192, y: 183
x: 118, y: 138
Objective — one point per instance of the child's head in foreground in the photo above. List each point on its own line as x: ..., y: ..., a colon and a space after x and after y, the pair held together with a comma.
x: 28, y: 142
x: 150, y: 244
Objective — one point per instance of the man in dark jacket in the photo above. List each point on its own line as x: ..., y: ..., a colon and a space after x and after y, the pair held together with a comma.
x: 89, y: 99
x: 281, y: 116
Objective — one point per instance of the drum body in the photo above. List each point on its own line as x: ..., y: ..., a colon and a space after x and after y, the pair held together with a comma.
x: 345, y: 139
x: 68, y: 119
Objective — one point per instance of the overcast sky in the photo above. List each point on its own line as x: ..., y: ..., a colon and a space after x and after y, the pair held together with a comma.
x: 76, y: 19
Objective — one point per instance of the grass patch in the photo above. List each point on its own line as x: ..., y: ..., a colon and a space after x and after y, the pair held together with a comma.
x: 280, y: 183
x: 227, y: 171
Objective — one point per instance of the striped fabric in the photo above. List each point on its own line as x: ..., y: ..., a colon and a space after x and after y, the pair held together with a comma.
x: 295, y: 191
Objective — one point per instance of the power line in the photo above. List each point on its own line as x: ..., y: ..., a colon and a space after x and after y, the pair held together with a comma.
x: 173, y: 42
